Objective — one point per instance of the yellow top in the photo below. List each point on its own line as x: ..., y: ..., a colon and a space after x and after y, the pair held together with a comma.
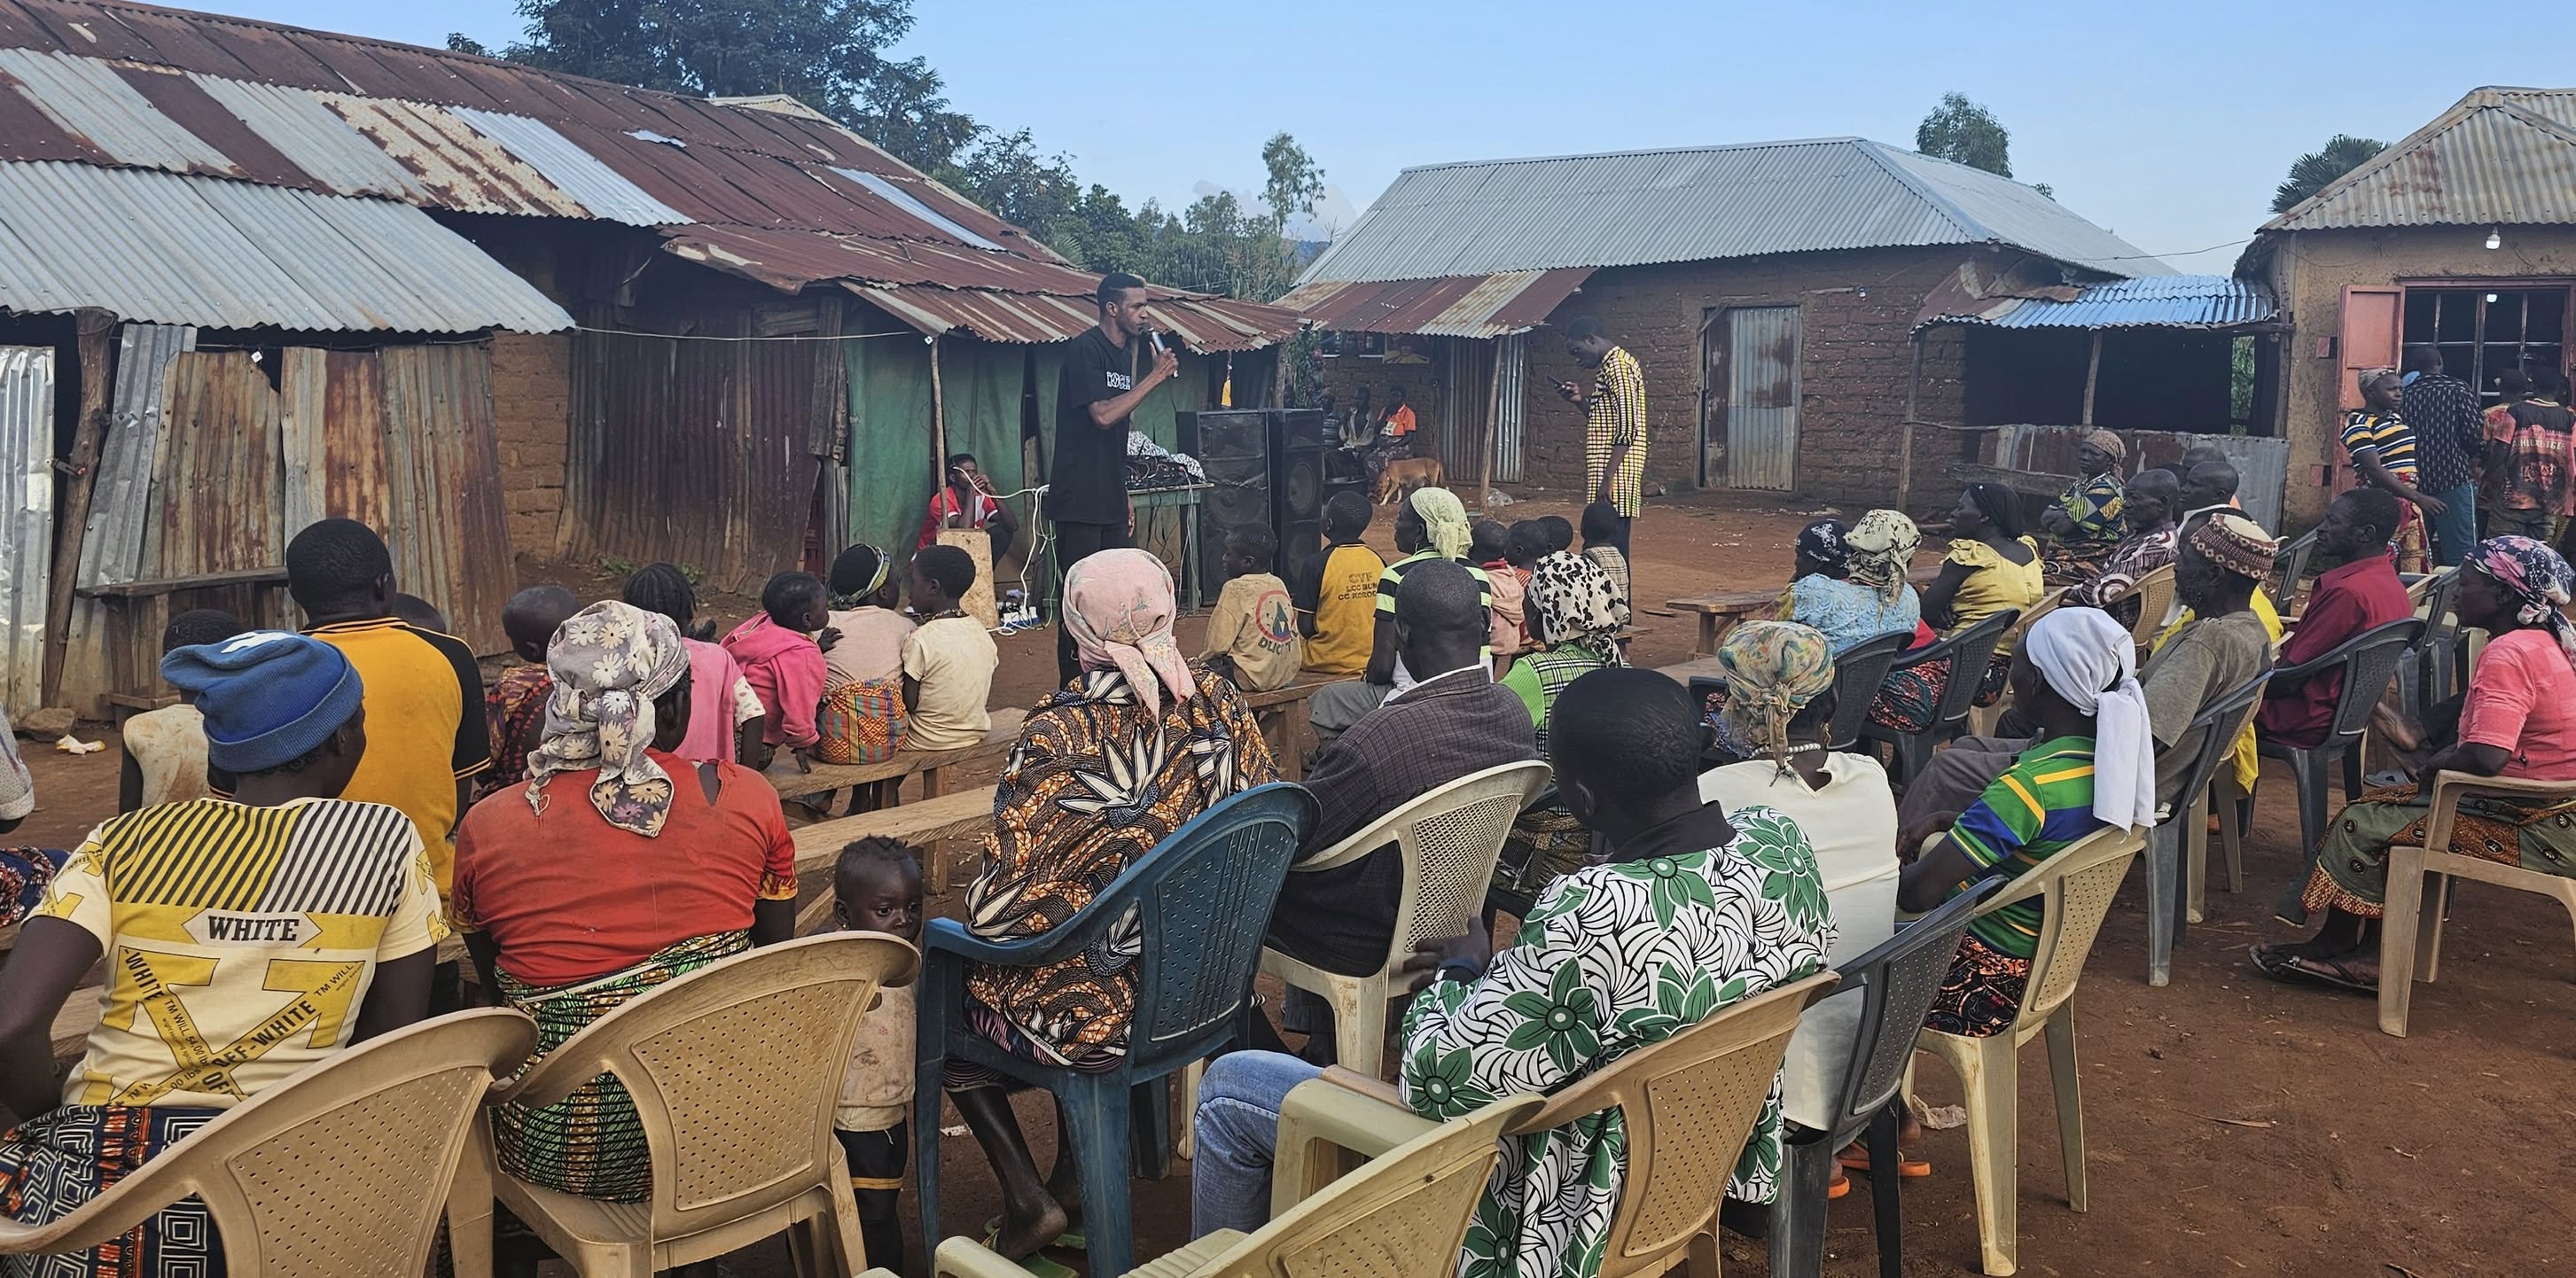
x: 1994, y: 583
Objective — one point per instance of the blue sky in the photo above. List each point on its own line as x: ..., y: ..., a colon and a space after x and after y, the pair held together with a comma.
x: 2169, y: 123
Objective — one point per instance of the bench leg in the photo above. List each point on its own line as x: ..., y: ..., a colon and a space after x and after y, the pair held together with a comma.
x: 1707, y: 635
x: 1299, y: 732
x: 933, y: 784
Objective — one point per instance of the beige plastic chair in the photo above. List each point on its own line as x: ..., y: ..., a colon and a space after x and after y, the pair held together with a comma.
x: 2155, y: 595
x: 2075, y: 888
x: 1406, y: 1215
x: 734, y: 1069
x: 336, y: 1172
x: 1982, y: 719
x: 2221, y: 797
x: 1689, y: 1103
x: 1449, y: 840
x: 2410, y: 934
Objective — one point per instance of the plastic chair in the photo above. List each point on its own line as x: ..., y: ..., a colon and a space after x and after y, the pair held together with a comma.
x: 2178, y: 843
x: 1449, y: 839
x: 2075, y: 888
x: 2155, y: 595
x: 339, y: 1169
x: 1689, y: 1103
x: 2410, y: 933
x: 2436, y: 665
x: 734, y: 1069
x: 1405, y: 1214
x: 2292, y: 563
x: 1858, y: 672
x: 1200, y: 902
x: 1982, y: 719
x: 1968, y: 652
x: 1889, y: 990
x: 2369, y: 660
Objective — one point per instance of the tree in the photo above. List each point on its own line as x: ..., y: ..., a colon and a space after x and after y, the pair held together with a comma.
x: 1965, y: 132
x: 2310, y: 173
x: 459, y: 42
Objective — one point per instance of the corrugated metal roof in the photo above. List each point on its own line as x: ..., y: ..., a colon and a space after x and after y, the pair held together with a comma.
x: 1460, y: 306
x: 2497, y: 157
x: 90, y: 101
x: 2167, y: 301
x: 1642, y: 207
x: 600, y: 189
x: 1202, y: 323
x: 315, y: 139
x: 167, y: 249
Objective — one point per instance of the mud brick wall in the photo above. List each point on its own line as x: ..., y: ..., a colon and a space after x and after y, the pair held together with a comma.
x: 532, y: 409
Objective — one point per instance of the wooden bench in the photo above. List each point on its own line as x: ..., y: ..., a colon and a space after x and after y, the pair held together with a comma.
x: 1287, y: 722
x: 142, y: 611
x: 932, y: 766
x: 1719, y: 610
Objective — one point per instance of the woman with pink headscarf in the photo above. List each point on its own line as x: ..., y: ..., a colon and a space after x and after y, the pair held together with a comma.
x: 1105, y: 769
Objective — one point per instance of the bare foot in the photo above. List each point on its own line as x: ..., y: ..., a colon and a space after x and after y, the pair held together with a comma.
x: 1021, y: 1239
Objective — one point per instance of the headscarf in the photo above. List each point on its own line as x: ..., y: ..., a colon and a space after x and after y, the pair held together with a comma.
x: 868, y: 580
x: 1823, y: 542
x: 2372, y: 376
x: 2235, y: 543
x: 2089, y: 659
x: 1571, y: 600
x: 1882, y: 547
x: 1118, y: 607
x: 2109, y: 443
x: 2000, y: 505
x: 609, y: 662
x: 2536, y: 577
x: 1444, y: 521
x: 1773, y: 669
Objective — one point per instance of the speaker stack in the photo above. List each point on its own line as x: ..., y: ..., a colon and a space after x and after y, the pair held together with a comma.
x: 1233, y: 446
x: 1300, y: 484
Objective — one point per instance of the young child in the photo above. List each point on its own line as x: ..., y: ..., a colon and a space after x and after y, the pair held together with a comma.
x: 877, y: 888
x: 1490, y: 547
x: 165, y: 749
x: 1336, y: 593
x: 514, y: 706
x: 726, y: 719
x: 1560, y: 534
x: 781, y: 654
x: 1600, y: 535
x: 1252, y: 636
x: 863, y: 613
x: 948, y: 660
x: 420, y: 614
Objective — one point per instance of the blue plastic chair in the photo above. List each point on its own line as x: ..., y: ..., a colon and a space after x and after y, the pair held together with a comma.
x: 1202, y: 901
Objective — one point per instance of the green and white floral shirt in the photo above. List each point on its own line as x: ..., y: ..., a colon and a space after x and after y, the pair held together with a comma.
x: 1613, y: 958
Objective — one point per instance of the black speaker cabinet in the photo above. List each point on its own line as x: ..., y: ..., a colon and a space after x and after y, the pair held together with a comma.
x: 1234, y: 447
x: 1297, y: 482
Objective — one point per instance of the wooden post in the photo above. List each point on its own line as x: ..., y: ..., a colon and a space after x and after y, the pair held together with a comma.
x: 1493, y: 427
x: 95, y: 328
x: 938, y: 423
x: 2092, y: 376
x: 1905, y: 436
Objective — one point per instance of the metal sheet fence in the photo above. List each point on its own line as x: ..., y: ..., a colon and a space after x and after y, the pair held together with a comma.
x: 121, y: 502
x: 26, y: 520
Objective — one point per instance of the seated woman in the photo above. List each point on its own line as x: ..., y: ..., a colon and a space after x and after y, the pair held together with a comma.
x: 2085, y: 521
x: 1991, y: 566
x: 2518, y: 720
x: 1104, y: 770
x: 618, y: 867
x: 1851, y: 582
x: 2092, y: 766
x: 2154, y: 541
x: 1574, y: 616
x: 199, y: 1021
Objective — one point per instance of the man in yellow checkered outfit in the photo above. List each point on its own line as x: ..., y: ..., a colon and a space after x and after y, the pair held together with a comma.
x: 1614, y: 431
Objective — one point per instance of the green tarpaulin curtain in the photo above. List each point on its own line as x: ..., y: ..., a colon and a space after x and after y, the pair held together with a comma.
x: 893, y: 433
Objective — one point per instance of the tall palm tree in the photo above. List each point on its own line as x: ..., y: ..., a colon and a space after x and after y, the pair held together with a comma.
x: 2310, y: 173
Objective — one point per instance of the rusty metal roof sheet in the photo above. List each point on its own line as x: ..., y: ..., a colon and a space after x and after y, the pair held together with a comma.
x: 88, y: 100
x: 2168, y: 301
x: 599, y: 188
x: 462, y: 169
x: 1458, y: 306
x: 75, y: 235
x: 2497, y: 157
x: 315, y: 139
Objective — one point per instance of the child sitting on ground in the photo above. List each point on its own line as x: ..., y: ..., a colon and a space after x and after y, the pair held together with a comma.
x: 514, y: 707
x: 1252, y: 638
x: 1600, y: 545
x: 1490, y: 546
x: 1336, y: 593
x: 165, y: 749
x: 781, y: 654
x: 726, y: 719
x: 876, y: 887
x: 948, y: 660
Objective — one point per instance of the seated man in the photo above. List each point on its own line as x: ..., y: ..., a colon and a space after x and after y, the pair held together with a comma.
x: 967, y: 501
x: 2362, y: 594
x: 1451, y: 723
x: 2149, y: 506
x: 1719, y: 906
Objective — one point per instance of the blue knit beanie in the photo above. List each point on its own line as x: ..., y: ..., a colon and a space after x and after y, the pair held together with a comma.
x: 269, y: 697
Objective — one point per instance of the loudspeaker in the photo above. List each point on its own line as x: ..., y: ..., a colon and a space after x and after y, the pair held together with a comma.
x: 1297, y: 484
x: 1233, y: 446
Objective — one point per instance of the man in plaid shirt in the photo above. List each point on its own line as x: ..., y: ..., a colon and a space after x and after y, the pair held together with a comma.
x: 2450, y: 436
x: 1614, y: 431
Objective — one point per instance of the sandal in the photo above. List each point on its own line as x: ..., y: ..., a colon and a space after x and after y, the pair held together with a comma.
x: 1073, y: 1239
x: 2294, y: 969
x: 1037, y: 1264
x: 1856, y: 1159
x: 1838, y: 1186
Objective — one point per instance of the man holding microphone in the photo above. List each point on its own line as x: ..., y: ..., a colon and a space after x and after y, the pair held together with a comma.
x: 1108, y: 371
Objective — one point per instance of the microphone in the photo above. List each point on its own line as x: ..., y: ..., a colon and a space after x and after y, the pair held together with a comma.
x: 1156, y: 337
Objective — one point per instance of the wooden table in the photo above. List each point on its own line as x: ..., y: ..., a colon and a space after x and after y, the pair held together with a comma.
x: 1719, y: 610
x: 142, y: 612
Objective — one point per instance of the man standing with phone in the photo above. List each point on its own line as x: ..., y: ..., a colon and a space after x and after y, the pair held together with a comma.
x: 1614, y: 433
x: 1108, y: 371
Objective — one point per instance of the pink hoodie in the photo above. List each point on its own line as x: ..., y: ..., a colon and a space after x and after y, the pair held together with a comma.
x: 712, y: 673
x: 786, y: 672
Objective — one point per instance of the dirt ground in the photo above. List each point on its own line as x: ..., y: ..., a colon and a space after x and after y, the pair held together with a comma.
x: 2235, y: 1125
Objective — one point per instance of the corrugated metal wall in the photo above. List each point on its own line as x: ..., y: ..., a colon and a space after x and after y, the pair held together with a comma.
x: 1511, y: 354
x: 121, y: 502
x: 26, y: 520
x: 1466, y: 409
x: 1762, y: 397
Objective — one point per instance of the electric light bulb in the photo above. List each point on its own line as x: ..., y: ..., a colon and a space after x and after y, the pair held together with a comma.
x: 2495, y: 239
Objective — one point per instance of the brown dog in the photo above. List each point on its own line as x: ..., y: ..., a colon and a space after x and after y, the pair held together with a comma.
x: 1405, y: 474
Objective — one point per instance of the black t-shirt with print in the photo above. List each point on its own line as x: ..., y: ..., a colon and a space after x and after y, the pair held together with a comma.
x: 1089, y: 481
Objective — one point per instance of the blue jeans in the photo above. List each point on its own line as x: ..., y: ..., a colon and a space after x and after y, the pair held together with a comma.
x: 2456, y: 528
x: 1237, y: 1131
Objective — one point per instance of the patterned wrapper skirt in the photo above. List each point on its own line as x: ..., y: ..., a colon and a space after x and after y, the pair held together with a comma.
x: 1982, y: 994
x: 591, y: 1143
x: 24, y: 874
x: 2068, y: 564
x: 54, y: 1163
x: 1906, y: 701
x: 1000, y: 1031
x: 2349, y: 869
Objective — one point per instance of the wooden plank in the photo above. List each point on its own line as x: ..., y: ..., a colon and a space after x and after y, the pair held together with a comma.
x: 92, y: 329
x: 823, y: 778
x: 195, y: 581
x: 978, y: 545
x: 967, y: 814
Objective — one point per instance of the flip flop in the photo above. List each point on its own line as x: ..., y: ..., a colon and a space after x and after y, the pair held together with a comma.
x: 1037, y: 1264
x: 2297, y: 970
x: 1073, y: 1239
x: 1856, y: 1159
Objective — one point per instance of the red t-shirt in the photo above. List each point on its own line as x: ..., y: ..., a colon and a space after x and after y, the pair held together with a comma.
x: 571, y: 898
x: 2522, y: 697
x: 2348, y: 600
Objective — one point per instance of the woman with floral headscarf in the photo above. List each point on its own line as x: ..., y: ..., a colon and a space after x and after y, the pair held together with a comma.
x: 1104, y: 770
x: 618, y: 867
x: 2517, y: 720
x: 1574, y: 615
x: 1851, y: 582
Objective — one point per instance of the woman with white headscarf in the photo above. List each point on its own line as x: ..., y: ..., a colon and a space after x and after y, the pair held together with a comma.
x: 1106, y: 768
x: 2093, y: 765
x: 618, y: 867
